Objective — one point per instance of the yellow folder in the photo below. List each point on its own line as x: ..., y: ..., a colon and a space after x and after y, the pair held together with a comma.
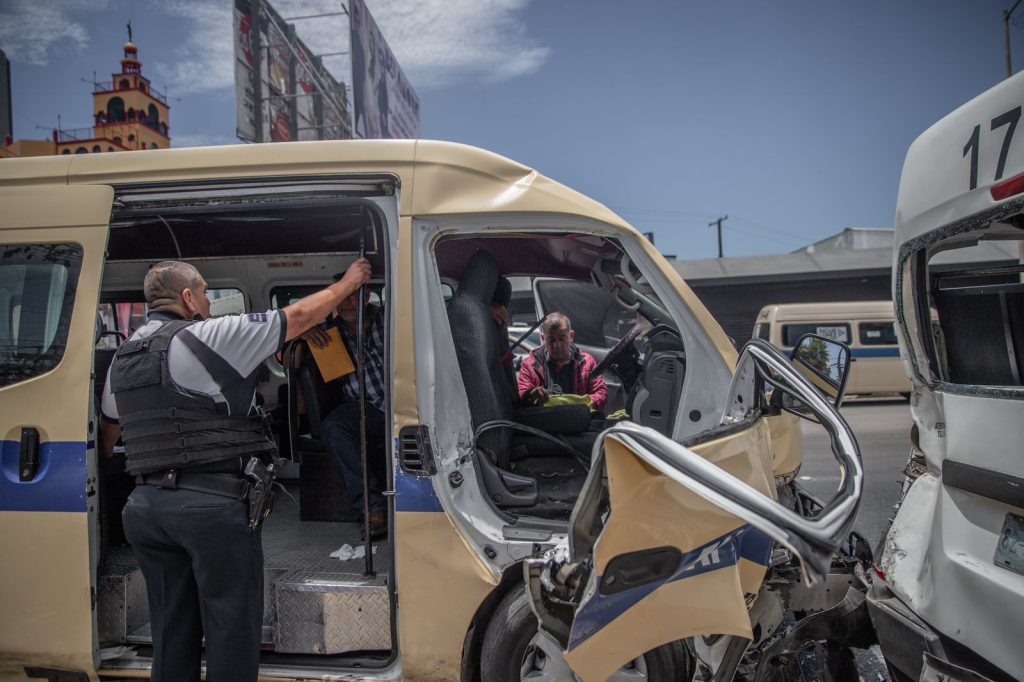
x: 333, y: 359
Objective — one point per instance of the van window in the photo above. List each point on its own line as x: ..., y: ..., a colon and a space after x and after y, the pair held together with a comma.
x: 596, y: 318
x: 123, y: 315
x: 37, y: 294
x: 837, y: 331
x: 762, y: 330
x: 282, y: 297
x: 979, y: 334
x: 119, y: 320
x: 225, y: 302
x: 877, y: 334
x: 522, y: 309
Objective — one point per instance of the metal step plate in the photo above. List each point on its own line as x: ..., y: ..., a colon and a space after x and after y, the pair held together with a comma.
x: 144, y: 635
x: 331, y: 613
x: 121, y: 603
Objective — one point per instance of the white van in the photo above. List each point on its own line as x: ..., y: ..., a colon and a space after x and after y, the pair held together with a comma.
x: 867, y: 327
x: 950, y: 578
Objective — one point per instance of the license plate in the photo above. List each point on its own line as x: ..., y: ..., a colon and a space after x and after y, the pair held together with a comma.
x: 1010, y: 545
x: 834, y: 333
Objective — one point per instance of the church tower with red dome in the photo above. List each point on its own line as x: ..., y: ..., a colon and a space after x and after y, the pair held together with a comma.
x: 128, y: 113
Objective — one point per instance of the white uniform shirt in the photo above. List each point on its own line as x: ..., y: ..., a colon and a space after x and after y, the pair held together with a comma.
x: 244, y: 341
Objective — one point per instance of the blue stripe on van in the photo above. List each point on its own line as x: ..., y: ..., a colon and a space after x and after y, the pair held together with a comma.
x: 59, y: 486
x: 893, y: 352
x: 745, y: 542
x: 415, y: 494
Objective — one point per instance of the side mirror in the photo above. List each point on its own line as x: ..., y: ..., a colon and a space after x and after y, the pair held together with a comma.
x: 825, y: 363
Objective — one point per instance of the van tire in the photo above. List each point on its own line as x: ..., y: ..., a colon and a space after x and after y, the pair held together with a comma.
x: 513, y: 625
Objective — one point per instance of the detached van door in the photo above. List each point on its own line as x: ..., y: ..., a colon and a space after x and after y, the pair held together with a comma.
x: 670, y: 541
x: 52, y: 241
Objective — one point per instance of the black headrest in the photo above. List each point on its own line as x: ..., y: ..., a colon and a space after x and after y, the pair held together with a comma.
x: 480, y: 277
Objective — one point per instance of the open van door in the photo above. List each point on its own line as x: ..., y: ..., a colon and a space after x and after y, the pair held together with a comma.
x: 52, y: 241
x: 670, y: 541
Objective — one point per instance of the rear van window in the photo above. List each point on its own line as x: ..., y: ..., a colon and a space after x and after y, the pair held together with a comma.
x: 877, y: 334
x: 37, y: 295
x: 596, y: 318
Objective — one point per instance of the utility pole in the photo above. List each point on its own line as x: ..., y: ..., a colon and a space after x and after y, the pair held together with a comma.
x: 1006, y: 26
x: 719, y: 223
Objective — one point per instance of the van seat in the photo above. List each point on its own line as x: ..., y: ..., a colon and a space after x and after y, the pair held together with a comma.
x: 477, y: 346
x: 321, y: 487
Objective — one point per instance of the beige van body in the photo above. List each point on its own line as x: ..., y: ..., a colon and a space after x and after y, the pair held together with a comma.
x: 99, y: 221
x: 865, y: 326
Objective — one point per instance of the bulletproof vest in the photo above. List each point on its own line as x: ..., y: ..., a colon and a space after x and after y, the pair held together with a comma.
x: 165, y: 426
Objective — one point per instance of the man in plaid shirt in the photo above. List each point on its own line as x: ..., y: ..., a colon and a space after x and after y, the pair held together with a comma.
x: 340, y: 428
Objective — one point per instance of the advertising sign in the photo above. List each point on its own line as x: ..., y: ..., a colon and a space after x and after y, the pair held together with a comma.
x: 292, y: 97
x: 385, y: 105
x: 245, y: 65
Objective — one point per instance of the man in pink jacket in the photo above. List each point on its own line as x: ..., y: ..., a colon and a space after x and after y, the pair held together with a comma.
x: 558, y: 367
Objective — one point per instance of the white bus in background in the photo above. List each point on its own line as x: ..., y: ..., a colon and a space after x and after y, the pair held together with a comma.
x: 865, y: 326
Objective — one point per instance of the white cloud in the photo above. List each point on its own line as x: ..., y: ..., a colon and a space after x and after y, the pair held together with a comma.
x: 29, y: 29
x: 437, y: 42
x: 205, y: 61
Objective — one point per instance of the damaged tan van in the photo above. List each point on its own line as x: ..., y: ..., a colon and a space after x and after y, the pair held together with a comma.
x: 483, y: 493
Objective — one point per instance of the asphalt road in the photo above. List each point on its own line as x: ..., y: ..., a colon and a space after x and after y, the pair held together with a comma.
x: 882, y: 428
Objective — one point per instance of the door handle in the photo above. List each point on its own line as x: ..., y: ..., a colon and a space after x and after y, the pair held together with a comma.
x: 28, y: 458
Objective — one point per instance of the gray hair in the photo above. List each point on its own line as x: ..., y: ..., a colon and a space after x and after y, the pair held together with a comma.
x: 555, y: 321
x: 166, y: 280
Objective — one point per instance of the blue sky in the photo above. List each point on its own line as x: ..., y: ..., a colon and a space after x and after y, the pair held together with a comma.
x: 792, y: 117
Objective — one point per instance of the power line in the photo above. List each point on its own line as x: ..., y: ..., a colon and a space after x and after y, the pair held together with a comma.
x: 663, y: 212
x: 775, y: 230
x: 677, y: 216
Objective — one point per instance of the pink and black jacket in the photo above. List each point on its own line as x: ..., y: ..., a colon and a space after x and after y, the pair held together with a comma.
x: 534, y: 372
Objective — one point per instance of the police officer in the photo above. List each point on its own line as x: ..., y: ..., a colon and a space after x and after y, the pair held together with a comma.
x: 181, y: 391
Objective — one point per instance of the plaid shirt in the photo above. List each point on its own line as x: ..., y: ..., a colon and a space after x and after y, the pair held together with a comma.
x: 373, y: 348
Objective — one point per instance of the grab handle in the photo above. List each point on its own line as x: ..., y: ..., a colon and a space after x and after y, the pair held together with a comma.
x: 28, y: 459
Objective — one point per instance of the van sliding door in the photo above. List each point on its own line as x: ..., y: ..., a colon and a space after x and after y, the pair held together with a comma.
x: 52, y: 241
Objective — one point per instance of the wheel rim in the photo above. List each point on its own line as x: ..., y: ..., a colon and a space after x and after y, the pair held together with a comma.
x: 543, y: 662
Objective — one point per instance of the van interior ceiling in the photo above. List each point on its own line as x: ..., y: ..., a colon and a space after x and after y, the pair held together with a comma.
x: 159, y: 232
x: 533, y: 460
x: 271, y: 249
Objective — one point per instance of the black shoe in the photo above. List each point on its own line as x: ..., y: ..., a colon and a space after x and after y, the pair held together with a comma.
x: 378, y: 525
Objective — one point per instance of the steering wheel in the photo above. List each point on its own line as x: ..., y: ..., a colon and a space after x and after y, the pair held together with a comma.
x: 616, y: 351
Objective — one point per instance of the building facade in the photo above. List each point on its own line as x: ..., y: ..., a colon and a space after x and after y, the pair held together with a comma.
x: 128, y: 115
x: 852, y: 265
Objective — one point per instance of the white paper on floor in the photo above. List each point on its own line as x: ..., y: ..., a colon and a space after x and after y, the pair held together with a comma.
x: 119, y: 652
x: 346, y: 552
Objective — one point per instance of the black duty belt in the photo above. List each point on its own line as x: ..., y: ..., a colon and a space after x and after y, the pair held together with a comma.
x: 225, y: 485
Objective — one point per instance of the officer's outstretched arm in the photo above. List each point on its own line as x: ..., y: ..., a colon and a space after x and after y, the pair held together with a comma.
x: 312, y: 309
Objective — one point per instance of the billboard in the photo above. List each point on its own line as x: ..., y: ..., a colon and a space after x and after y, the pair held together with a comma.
x: 384, y: 104
x: 282, y: 93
